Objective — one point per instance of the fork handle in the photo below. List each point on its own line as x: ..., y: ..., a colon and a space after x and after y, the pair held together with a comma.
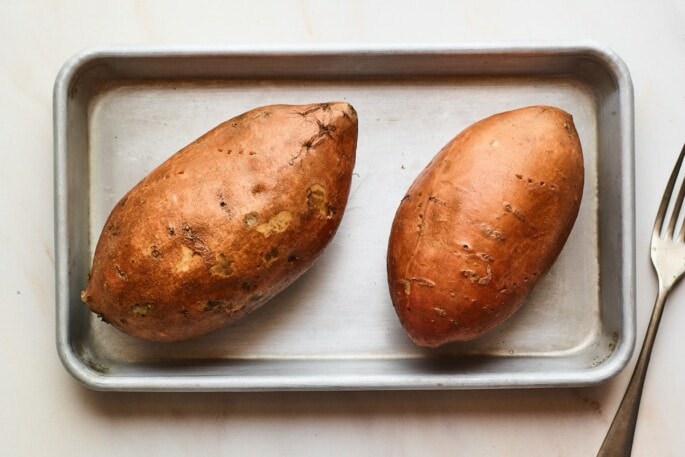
x: 619, y: 439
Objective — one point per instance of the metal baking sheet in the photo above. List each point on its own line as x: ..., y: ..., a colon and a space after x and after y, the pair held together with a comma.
x: 120, y: 111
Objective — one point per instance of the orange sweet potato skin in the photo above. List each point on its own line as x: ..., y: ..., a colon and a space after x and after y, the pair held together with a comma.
x: 225, y: 223
x: 483, y: 222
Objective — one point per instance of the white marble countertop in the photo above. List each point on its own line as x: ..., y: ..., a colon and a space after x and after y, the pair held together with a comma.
x: 46, y: 412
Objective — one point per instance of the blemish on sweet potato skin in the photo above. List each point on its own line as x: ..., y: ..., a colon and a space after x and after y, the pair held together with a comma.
x: 226, y: 223
x: 140, y: 310
x: 223, y: 266
x: 279, y: 223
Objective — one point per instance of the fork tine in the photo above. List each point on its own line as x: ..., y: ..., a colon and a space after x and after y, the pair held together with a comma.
x: 681, y: 235
x: 668, y: 192
x: 677, y: 206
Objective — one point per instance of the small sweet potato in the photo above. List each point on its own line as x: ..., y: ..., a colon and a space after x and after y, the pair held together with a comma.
x: 483, y: 222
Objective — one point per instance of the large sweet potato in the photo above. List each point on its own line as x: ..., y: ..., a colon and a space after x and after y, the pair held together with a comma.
x: 225, y: 223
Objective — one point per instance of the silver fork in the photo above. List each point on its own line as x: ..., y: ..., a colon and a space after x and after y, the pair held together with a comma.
x: 668, y: 258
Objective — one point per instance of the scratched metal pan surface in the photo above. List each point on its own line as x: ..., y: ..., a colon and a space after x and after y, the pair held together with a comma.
x: 120, y: 111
